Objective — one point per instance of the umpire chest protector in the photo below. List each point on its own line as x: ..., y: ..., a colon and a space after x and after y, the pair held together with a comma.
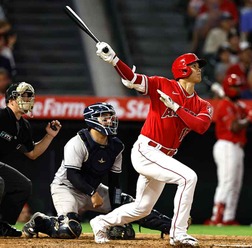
x: 100, y: 157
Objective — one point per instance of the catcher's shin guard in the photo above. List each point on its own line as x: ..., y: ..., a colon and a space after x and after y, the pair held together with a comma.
x: 39, y: 223
x: 69, y: 226
x: 156, y: 221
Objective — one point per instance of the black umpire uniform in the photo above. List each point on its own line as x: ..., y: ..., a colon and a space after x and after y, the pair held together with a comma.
x: 15, y: 134
x: 15, y: 187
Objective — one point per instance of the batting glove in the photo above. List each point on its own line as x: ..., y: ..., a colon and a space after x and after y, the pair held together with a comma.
x: 105, y: 52
x: 168, y: 102
x: 217, y: 89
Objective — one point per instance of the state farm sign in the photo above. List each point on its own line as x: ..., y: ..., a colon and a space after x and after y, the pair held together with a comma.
x: 71, y: 107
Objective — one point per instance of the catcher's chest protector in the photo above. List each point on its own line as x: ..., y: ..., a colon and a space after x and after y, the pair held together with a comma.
x: 100, y: 158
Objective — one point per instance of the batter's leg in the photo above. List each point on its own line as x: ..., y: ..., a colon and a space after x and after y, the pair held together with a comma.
x: 148, y: 191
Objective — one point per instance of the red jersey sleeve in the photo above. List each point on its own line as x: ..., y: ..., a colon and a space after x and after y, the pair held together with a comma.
x: 198, y: 123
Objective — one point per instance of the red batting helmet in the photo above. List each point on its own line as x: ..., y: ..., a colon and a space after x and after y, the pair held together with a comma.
x: 180, y: 68
x: 231, y: 84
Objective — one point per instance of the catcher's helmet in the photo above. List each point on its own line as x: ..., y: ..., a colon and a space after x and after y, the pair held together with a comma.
x: 180, y: 68
x: 94, y: 117
x: 16, y: 91
x: 231, y: 85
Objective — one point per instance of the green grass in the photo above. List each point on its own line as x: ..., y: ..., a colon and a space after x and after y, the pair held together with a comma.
x: 194, y: 229
x: 222, y: 230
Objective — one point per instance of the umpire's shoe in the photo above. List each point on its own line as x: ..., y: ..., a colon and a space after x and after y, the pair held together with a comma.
x: 29, y: 229
x: 7, y: 230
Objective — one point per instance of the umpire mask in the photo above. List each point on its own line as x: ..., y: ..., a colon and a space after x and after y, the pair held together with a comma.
x: 24, y: 95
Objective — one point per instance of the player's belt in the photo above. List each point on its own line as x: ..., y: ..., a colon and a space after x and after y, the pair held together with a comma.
x: 167, y: 151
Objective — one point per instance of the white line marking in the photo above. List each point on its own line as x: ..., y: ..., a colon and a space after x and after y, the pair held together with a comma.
x: 232, y: 245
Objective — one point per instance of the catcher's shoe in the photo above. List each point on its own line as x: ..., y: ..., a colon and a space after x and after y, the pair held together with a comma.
x: 29, y: 229
x: 184, y: 240
x: 100, y: 232
x: 7, y: 230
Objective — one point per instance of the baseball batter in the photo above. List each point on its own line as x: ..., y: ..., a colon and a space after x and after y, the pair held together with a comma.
x: 175, y: 110
x: 232, y: 119
x: 89, y: 156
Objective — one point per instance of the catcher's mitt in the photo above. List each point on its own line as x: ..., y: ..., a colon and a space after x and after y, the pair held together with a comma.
x: 121, y: 232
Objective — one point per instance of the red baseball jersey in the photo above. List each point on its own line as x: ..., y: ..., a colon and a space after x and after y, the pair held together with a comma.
x: 165, y: 126
x: 226, y: 112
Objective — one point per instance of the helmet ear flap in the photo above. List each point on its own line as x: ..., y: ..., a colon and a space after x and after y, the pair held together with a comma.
x: 186, y: 72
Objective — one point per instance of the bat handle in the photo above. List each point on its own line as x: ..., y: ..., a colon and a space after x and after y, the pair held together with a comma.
x: 105, y: 50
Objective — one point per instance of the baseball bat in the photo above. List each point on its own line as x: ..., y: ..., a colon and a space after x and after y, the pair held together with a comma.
x: 82, y: 25
x: 215, y: 87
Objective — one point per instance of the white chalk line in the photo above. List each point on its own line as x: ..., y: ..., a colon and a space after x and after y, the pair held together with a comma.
x: 236, y: 245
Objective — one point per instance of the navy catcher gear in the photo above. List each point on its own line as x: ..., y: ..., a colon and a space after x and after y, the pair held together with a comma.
x: 121, y: 232
x: 69, y: 226
x: 65, y: 226
x: 156, y: 221
x: 94, y: 117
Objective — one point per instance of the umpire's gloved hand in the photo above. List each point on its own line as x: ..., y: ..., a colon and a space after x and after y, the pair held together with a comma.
x: 105, y: 52
x: 168, y: 102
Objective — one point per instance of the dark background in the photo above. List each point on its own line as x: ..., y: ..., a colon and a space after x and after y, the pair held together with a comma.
x: 195, y: 152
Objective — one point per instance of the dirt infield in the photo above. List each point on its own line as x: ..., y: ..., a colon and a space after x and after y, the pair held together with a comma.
x: 141, y: 241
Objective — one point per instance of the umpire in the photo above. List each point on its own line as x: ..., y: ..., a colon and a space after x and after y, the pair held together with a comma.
x: 15, y: 134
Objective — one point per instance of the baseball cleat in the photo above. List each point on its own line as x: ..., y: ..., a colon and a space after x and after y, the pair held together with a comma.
x: 7, y: 230
x: 184, y: 240
x: 29, y: 229
x: 100, y: 234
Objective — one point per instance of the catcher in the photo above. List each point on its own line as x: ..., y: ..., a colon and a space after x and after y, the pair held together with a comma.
x: 89, y: 156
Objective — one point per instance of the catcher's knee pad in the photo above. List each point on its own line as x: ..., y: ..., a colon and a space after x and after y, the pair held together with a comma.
x: 69, y: 226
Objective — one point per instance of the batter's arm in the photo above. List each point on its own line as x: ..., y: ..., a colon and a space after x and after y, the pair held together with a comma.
x: 125, y: 72
x: 198, y: 124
